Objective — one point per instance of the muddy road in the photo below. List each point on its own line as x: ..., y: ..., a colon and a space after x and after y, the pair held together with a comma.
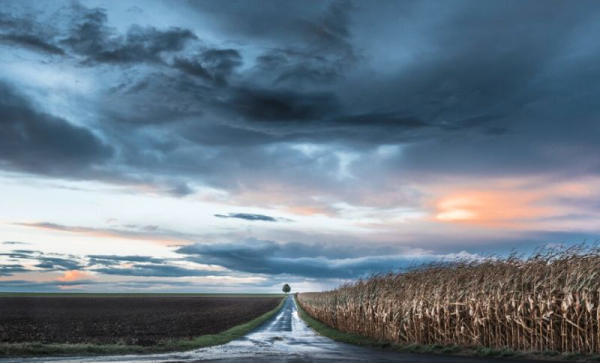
x: 285, y: 338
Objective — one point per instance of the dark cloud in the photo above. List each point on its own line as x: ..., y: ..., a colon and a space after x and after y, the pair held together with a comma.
x: 222, y: 60
x: 46, y: 262
x: 15, y: 255
x: 123, y: 265
x: 213, y: 65
x: 230, y: 136
x: 9, y: 270
x: 192, y: 68
x: 506, y: 76
x: 94, y: 39
x: 26, y: 251
x: 35, y: 141
x: 89, y: 31
x: 271, y: 258
x: 156, y: 270
x: 117, y: 259
x: 143, y: 45
x: 309, y: 43
x: 26, y: 32
x: 186, y: 108
x: 281, y: 105
x: 57, y: 264
x: 32, y: 42
x: 6, y: 20
x: 180, y: 190
x: 248, y: 217
x: 14, y: 243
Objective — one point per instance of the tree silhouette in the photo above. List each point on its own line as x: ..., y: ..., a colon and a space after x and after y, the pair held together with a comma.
x: 286, y: 288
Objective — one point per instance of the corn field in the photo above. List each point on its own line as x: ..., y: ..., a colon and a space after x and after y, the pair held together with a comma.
x: 548, y: 301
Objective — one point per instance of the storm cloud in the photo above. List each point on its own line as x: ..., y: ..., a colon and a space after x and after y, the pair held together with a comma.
x: 248, y: 217
x: 297, y: 259
x: 464, y: 92
x: 32, y: 42
x: 93, y: 38
x: 34, y: 141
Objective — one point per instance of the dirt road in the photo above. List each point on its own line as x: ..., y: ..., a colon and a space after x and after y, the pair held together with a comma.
x: 285, y: 338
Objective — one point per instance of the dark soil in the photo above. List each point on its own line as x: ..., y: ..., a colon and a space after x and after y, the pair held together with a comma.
x: 125, y: 320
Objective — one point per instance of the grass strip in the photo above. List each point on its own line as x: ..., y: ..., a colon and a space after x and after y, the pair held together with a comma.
x: 361, y: 340
x: 173, y: 345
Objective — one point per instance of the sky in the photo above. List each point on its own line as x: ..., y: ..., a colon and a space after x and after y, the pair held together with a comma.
x: 233, y: 146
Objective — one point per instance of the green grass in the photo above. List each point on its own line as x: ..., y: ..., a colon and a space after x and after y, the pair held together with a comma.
x: 38, y: 349
x: 356, y: 339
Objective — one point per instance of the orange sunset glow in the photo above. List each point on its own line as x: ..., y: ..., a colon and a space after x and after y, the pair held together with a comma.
x: 73, y: 276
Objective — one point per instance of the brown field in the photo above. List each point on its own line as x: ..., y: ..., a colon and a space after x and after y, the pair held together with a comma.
x: 548, y: 302
x: 140, y: 320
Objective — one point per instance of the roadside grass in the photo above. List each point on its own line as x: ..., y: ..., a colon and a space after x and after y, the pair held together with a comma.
x: 174, y: 345
x: 360, y: 340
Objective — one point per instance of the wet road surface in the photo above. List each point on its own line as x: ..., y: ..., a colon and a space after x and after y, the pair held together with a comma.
x: 284, y: 338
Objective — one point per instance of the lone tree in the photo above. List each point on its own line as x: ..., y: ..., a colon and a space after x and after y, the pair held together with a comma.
x: 286, y: 288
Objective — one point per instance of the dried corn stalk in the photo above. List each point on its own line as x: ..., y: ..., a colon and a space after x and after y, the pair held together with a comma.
x: 546, y: 302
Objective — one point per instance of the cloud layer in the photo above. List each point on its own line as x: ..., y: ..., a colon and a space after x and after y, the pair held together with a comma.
x: 472, y: 90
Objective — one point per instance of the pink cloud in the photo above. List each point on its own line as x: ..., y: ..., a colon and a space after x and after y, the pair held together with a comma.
x: 74, y: 275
